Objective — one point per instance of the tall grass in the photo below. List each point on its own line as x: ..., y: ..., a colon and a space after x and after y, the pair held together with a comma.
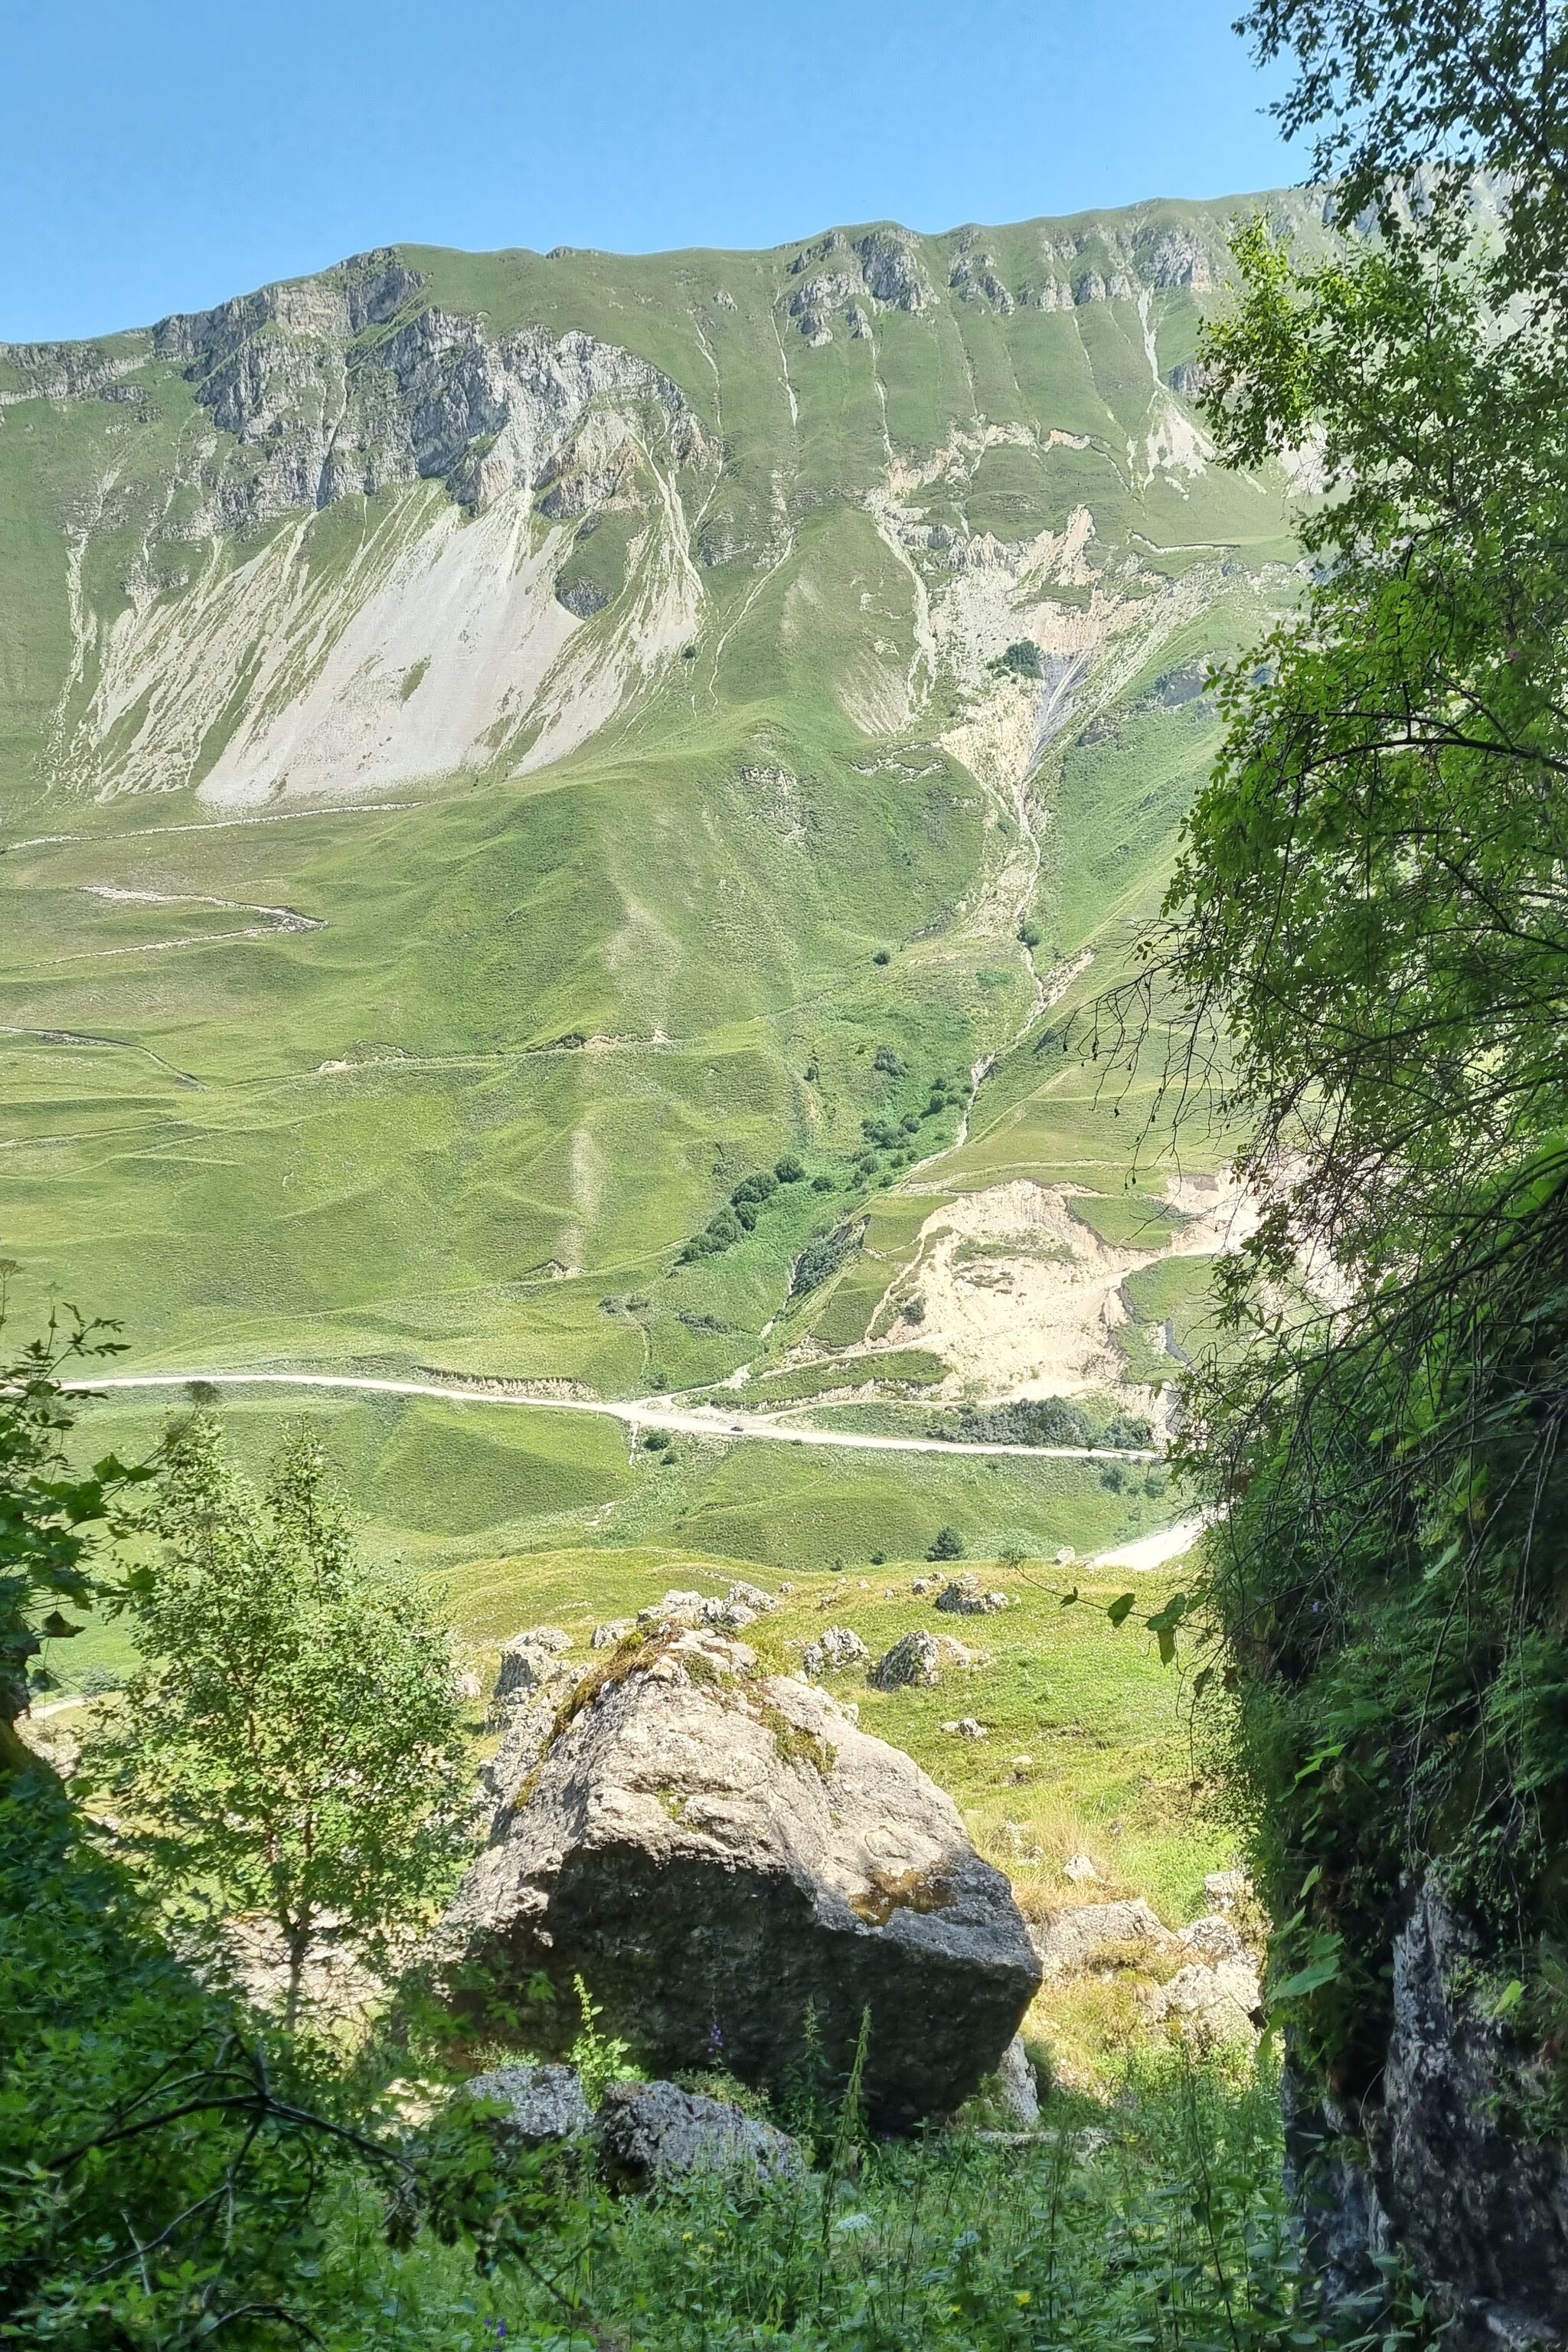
x: 1159, y: 2221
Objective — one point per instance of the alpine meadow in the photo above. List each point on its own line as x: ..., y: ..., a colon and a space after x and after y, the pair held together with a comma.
x: 780, y: 1176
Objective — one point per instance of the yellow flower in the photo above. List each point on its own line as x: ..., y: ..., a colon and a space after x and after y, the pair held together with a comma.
x: 1022, y: 2301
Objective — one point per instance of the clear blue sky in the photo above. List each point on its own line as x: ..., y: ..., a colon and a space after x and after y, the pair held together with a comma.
x: 160, y: 154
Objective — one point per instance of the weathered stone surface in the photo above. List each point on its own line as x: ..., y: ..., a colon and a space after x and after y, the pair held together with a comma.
x: 528, y: 1662
x: 1430, y: 2165
x: 347, y: 383
x: 1072, y: 1938
x: 1019, y: 2088
x: 652, y: 2131
x: 534, y: 1678
x: 835, y: 1647
x: 605, y: 1637
x: 715, y: 1851
x: 1211, y: 2005
x: 1227, y: 1888
x: 1214, y: 1938
x: 541, y: 2103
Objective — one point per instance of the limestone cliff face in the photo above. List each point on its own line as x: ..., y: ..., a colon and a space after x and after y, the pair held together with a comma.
x: 1441, y: 2167
x: 345, y: 384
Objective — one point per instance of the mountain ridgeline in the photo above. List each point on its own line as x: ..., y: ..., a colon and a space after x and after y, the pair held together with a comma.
x: 499, y: 751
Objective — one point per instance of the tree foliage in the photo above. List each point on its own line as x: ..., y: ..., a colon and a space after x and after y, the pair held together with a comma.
x: 49, y: 1515
x: 292, y: 1743
x: 1368, y: 960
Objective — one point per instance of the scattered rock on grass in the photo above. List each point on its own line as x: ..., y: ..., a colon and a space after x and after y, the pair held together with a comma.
x: 912, y: 1664
x: 835, y: 1647
x: 1082, y: 1869
x: 963, y: 1597
x: 653, y: 2131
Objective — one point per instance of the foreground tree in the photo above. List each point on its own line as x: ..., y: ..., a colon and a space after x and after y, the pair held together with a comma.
x: 1368, y: 958
x: 292, y: 1743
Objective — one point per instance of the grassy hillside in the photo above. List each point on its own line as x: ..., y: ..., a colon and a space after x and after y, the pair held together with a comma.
x: 471, y: 795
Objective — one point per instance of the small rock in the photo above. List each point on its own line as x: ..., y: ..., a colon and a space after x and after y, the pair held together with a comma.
x: 1066, y: 1556
x: 651, y: 2131
x: 968, y: 1728
x: 834, y: 1648
x: 1072, y: 1939
x: 1081, y: 1868
x: 467, y: 1686
x: 1019, y: 2089
x: 541, y: 2103
x: 924, y: 1585
x: 1225, y: 1889
x: 912, y: 1663
x: 952, y: 1654
x: 606, y: 1637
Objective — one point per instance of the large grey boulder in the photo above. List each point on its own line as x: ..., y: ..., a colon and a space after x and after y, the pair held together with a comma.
x: 718, y: 1854
x: 652, y: 2131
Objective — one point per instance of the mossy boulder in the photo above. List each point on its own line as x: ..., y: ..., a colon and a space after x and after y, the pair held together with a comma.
x: 735, y: 1867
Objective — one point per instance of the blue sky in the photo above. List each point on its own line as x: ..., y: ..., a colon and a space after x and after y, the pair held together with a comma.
x: 158, y: 155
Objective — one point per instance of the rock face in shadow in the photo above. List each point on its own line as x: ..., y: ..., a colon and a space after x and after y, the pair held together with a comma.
x: 1432, y: 2168
x: 722, y: 1855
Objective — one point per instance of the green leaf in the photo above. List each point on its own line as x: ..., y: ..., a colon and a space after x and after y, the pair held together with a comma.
x: 1120, y: 1608
x: 1510, y: 1998
x: 1308, y: 1979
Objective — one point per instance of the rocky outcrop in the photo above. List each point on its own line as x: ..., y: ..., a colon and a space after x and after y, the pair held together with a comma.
x: 892, y: 269
x: 650, y: 2132
x: 1436, y: 2164
x: 343, y: 383
x: 719, y: 1854
x: 534, y: 1676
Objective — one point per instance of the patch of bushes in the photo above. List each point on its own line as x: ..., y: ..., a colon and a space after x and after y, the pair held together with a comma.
x: 821, y: 1258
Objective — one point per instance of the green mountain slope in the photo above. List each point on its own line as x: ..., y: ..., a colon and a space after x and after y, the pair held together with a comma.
x: 497, y: 750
